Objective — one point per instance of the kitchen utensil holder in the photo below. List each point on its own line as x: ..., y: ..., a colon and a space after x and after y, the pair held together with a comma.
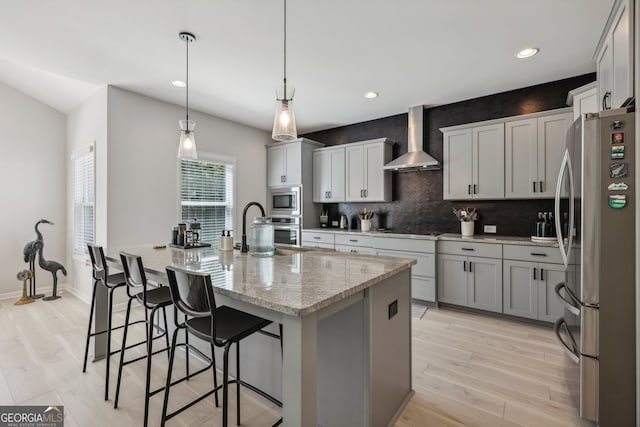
x: 467, y: 228
x: 365, y: 225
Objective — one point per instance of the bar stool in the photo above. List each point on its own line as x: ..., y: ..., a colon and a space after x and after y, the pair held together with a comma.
x: 152, y: 299
x: 100, y: 273
x: 192, y: 294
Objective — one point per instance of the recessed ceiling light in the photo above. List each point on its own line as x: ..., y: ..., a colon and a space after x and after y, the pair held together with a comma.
x: 178, y: 83
x: 371, y: 95
x: 527, y: 53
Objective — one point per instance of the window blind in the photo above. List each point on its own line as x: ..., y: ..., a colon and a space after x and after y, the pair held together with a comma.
x: 206, y: 194
x: 83, y: 200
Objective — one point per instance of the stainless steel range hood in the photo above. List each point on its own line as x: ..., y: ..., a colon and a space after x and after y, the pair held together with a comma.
x: 416, y: 159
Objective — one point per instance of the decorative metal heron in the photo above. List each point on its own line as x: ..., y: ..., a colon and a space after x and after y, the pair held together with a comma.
x: 30, y: 252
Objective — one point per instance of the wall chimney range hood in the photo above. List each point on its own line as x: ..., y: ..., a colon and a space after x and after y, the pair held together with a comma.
x: 416, y: 159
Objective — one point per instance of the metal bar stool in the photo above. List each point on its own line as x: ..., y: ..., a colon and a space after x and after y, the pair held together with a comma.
x: 192, y: 294
x: 152, y: 299
x: 100, y: 273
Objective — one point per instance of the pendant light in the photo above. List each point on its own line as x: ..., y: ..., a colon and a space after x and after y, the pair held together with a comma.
x: 187, y: 147
x: 284, y: 122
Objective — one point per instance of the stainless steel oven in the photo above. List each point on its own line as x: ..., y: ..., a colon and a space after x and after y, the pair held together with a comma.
x: 287, y: 231
x: 285, y: 201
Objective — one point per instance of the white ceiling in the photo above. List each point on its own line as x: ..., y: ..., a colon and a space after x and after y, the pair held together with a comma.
x: 410, y: 51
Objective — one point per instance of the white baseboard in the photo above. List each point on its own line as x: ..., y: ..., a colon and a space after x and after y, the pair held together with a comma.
x: 46, y: 290
x: 62, y: 289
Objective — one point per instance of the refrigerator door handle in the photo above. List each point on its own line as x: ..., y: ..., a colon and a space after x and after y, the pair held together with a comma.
x: 570, y: 302
x: 572, y: 349
x: 566, y: 164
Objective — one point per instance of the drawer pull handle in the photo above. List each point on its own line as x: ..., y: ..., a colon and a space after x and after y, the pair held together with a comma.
x: 468, y: 249
x: 317, y: 237
x: 537, y: 254
x: 353, y: 240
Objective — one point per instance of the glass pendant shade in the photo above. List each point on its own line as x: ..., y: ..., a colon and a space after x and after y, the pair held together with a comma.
x: 187, y: 148
x: 284, y: 122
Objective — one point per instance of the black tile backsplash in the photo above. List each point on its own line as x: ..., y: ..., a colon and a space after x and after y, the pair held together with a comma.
x: 417, y: 205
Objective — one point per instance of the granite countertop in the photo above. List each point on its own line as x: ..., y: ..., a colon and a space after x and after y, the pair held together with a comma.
x: 480, y: 238
x: 293, y: 282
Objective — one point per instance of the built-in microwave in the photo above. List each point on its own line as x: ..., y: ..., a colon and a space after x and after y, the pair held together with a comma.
x: 285, y: 201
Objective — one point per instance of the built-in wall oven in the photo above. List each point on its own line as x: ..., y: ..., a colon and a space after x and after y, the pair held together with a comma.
x: 287, y: 230
x: 285, y: 201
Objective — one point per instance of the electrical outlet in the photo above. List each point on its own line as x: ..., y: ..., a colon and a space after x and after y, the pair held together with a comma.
x: 490, y: 229
x: 393, y: 309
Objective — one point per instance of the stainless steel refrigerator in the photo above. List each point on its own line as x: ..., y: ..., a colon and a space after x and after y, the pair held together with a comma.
x: 595, y: 219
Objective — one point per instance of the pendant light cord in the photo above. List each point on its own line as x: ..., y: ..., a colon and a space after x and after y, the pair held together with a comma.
x: 285, y: 50
x: 187, y: 42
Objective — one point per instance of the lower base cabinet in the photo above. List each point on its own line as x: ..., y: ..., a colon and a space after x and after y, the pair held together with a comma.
x: 528, y: 289
x: 423, y: 282
x: 470, y: 281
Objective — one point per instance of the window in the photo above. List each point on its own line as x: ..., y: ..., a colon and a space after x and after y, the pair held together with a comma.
x: 83, y: 199
x: 206, y: 194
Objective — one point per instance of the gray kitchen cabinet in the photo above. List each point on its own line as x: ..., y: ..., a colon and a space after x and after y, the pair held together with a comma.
x: 329, y: 175
x: 470, y: 274
x: 423, y: 273
x: 615, y: 57
x: 584, y: 99
x: 366, y: 180
x: 453, y: 285
x: 311, y: 239
x: 534, y: 148
x: 520, y: 290
x: 528, y: 285
x: 473, y: 162
x: 285, y: 161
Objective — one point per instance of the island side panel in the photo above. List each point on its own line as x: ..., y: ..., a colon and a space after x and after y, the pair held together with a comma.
x: 390, y: 348
x: 342, y: 367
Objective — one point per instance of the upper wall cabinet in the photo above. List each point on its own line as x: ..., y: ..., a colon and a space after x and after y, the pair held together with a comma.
x: 285, y: 162
x: 614, y: 57
x: 473, y: 162
x: 366, y: 180
x: 584, y: 100
x: 515, y: 157
x: 534, y: 148
x: 329, y: 174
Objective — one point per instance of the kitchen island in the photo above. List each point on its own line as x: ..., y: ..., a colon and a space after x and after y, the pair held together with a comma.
x: 346, y: 326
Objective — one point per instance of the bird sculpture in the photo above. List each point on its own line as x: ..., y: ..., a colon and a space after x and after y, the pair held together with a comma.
x: 51, y: 266
x: 30, y: 252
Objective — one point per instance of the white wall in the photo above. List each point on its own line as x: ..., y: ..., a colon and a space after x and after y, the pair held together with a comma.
x: 143, y: 138
x: 86, y: 126
x: 32, y: 173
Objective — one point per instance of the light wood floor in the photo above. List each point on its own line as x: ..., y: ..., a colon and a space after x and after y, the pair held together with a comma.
x: 468, y: 370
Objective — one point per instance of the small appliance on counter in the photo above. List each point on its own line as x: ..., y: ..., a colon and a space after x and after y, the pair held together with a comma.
x: 344, y: 222
x: 324, y: 219
x: 187, y: 237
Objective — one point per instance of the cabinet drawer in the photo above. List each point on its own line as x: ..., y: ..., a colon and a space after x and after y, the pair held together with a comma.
x: 410, y: 245
x: 355, y: 249
x: 425, y: 266
x: 423, y: 288
x: 487, y: 250
x: 533, y: 253
x: 317, y: 237
x: 354, y: 240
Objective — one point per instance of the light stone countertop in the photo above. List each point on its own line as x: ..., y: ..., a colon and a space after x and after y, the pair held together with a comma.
x: 480, y: 238
x: 293, y: 282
